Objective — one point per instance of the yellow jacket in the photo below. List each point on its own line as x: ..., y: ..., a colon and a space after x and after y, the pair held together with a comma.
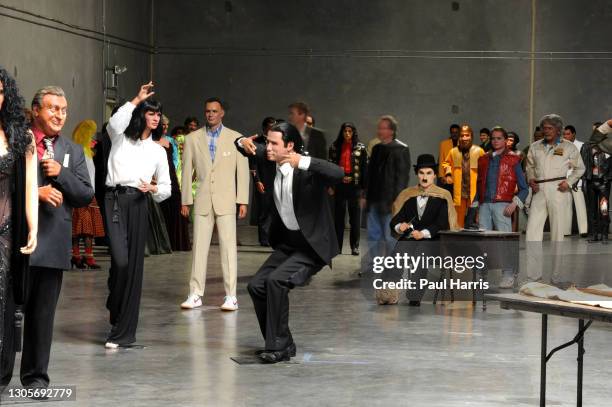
x: 446, y: 145
x: 452, y: 165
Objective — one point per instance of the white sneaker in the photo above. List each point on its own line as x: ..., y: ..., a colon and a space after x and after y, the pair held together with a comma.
x: 193, y: 301
x: 111, y: 345
x: 230, y: 304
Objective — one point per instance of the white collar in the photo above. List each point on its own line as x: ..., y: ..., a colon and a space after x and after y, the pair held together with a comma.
x: 285, y: 169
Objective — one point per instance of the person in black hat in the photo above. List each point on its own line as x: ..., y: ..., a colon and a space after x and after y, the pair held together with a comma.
x: 419, y: 213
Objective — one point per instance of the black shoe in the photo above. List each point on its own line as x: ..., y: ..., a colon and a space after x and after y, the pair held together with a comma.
x: 37, y: 386
x: 595, y: 238
x: 414, y: 303
x: 355, y: 251
x: 292, y: 350
x: 583, y: 235
x: 277, y: 355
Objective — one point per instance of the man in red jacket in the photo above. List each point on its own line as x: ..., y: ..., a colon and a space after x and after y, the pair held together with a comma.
x: 499, y: 175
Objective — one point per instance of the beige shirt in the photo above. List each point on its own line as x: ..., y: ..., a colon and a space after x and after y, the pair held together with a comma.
x: 546, y: 161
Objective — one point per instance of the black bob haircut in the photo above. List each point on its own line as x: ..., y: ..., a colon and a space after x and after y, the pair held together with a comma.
x: 290, y: 134
x: 138, y: 122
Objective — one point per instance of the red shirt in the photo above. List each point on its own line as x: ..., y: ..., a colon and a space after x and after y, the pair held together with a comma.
x: 40, y: 146
x: 345, y: 156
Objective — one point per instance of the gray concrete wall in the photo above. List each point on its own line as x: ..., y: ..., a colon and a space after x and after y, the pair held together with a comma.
x: 355, y: 60
x: 39, y: 44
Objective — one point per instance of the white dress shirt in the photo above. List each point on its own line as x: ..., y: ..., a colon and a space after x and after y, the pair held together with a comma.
x: 421, y: 203
x: 131, y: 162
x: 283, y: 192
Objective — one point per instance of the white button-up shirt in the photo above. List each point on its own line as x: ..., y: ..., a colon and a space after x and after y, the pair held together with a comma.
x: 283, y: 192
x: 131, y: 162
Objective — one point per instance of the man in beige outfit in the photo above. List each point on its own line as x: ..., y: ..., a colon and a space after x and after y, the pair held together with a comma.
x: 209, y: 155
x: 553, y: 165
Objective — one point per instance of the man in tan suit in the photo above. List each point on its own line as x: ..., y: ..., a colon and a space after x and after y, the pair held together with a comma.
x: 209, y: 155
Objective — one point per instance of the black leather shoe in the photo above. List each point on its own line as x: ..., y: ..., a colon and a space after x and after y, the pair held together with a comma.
x: 594, y: 238
x: 355, y: 251
x: 414, y: 303
x: 291, y: 348
x: 277, y: 355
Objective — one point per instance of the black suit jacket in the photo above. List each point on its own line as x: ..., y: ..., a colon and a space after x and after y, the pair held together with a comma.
x: 388, y: 174
x: 310, y: 203
x: 55, y: 224
x: 317, y: 144
x: 435, y: 216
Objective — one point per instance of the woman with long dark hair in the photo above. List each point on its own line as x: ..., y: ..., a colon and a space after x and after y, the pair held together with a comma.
x: 350, y: 154
x: 134, y: 161
x: 18, y: 213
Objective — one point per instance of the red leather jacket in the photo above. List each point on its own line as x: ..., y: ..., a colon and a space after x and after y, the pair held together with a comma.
x: 506, y: 178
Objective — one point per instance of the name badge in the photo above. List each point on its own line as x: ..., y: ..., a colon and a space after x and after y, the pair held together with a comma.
x: 66, y: 160
x: 558, y: 151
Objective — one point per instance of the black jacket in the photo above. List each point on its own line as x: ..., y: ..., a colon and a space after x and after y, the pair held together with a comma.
x: 310, y: 203
x: 359, y: 162
x: 388, y: 174
x: 55, y: 224
x: 587, y: 158
x: 435, y: 216
x: 317, y: 144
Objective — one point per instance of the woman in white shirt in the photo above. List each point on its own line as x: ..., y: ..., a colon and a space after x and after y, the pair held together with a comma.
x: 134, y: 161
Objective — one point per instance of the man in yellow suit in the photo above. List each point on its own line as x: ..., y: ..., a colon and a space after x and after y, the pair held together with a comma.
x: 461, y: 169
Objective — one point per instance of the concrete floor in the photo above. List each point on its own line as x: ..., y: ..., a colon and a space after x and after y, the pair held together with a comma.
x: 350, y: 351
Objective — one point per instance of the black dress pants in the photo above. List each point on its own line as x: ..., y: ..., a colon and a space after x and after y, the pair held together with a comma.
x: 43, y: 290
x: 347, y: 196
x: 126, y: 220
x: 292, y: 264
x: 596, y: 190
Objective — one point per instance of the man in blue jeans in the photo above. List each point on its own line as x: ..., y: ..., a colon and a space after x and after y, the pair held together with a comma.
x: 502, y: 188
x: 388, y: 175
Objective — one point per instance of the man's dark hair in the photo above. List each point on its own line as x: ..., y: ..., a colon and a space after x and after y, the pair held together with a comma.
x: 177, y: 130
x: 290, y: 134
x: 190, y: 119
x: 571, y: 128
x: 268, y: 121
x: 138, y: 122
x: 501, y: 130
x: 454, y: 126
x: 486, y: 131
x: 301, y: 107
x: 218, y: 100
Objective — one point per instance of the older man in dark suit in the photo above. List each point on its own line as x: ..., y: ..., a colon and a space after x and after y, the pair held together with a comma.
x: 64, y: 184
x: 302, y: 233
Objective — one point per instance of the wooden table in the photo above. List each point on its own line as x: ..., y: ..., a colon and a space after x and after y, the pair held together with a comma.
x: 474, y: 237
x: 565, y: 309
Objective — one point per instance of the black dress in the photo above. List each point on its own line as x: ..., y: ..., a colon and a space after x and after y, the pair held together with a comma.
x: 6, y: 169
x: 176, y: 224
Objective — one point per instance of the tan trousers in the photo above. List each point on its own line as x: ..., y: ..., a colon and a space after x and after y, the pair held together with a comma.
x: 552, y: 204
x: 202, y: 233
x: 581, y: 215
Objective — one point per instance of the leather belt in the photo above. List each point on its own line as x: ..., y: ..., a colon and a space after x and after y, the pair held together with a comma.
x: 540, y: 181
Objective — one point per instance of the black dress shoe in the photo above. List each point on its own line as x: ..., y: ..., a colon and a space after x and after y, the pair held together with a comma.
x: 292, y: 350
x: 414, y: 303
x: 355, y: 251
x: 595, y: 238
x: 277, y: 355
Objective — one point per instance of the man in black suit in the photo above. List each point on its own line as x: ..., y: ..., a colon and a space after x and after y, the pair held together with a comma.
x: 63, y: 185
x: 312, y: 138
x: 263, y: 173
x: 302, y: 233
x: 420, y: 212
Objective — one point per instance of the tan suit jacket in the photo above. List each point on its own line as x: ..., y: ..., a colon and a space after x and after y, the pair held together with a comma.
x: 222, y: 183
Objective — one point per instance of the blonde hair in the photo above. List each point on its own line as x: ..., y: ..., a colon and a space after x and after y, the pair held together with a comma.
x: 83, y: 134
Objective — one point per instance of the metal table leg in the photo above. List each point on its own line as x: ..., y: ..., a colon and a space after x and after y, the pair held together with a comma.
x: 543, y: 361
x: 580, y: 361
